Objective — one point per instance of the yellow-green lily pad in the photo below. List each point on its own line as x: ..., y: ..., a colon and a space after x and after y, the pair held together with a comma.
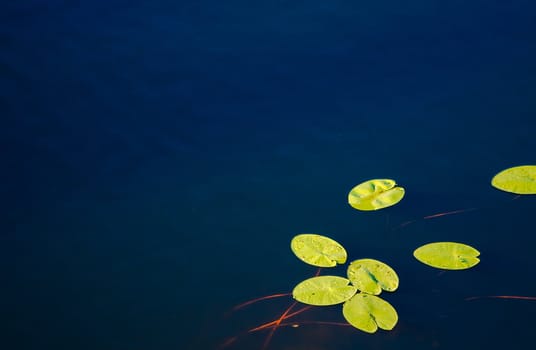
x: 324, y: 290
x: 371, y: 276
x: 447, y: 255
x: 375, y: 194
x: 369, y: 312
x: 519, y: 180
x: 318, y: 250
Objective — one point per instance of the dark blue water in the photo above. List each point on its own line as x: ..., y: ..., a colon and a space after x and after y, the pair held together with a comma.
x: 158, y: 156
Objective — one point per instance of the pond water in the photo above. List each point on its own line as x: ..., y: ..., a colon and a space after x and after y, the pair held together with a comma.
x: 159, y: 156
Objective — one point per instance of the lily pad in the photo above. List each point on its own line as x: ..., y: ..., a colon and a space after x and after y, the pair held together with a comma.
x: 324, y: 290
x: 519, y: 180
x: 447, y: 255
x: 318, y: 250
x: 375, y: 194
x: 371, y: 276
x: 369, y: 312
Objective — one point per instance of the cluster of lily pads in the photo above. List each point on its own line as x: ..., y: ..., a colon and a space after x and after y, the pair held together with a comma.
x: 364, y: 309
x: 366, y: 278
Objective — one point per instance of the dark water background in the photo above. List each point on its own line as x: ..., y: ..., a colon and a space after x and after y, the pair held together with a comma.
x: 158, y: 156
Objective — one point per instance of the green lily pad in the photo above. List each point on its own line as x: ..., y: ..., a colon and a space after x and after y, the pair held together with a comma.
x: 369, y: 312
x: 519, y: 180
x: 447, y: 255
x: 318, y: 250
x: 375, y: 194
x: 324, y: 290
x: 371, y: 276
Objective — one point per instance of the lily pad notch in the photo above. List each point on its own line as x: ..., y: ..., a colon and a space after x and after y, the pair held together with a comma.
x: 519, y: 180
x: 447, y: 255
x: 375, y: 194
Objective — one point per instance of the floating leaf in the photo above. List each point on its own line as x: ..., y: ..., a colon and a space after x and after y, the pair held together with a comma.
x: 447, y: 255
x: 375, y: 194
x: 324, y: 290
x: 318, y: 250
x: 371, y: 276
x: 368, y: 312
x: 519, y: 180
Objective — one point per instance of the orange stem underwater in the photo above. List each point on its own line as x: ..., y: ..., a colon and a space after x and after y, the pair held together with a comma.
x: 433, y: 216
x: 517, y: 297
x: 253, y: 301
x: 272, y: 323
x: 277, y: 323
x: 329, y: 323
x: 449, y: 213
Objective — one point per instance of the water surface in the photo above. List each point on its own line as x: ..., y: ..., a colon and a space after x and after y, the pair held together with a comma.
x: 159, y: 156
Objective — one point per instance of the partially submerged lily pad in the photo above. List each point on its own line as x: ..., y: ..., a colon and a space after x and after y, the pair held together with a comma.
x: 318, y: 250
x: 447, y: 255
x: 324, y: 290
x: 371, y: 276
x: 369, y: 312
x: 519, y: 180
x: 375, y: 194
